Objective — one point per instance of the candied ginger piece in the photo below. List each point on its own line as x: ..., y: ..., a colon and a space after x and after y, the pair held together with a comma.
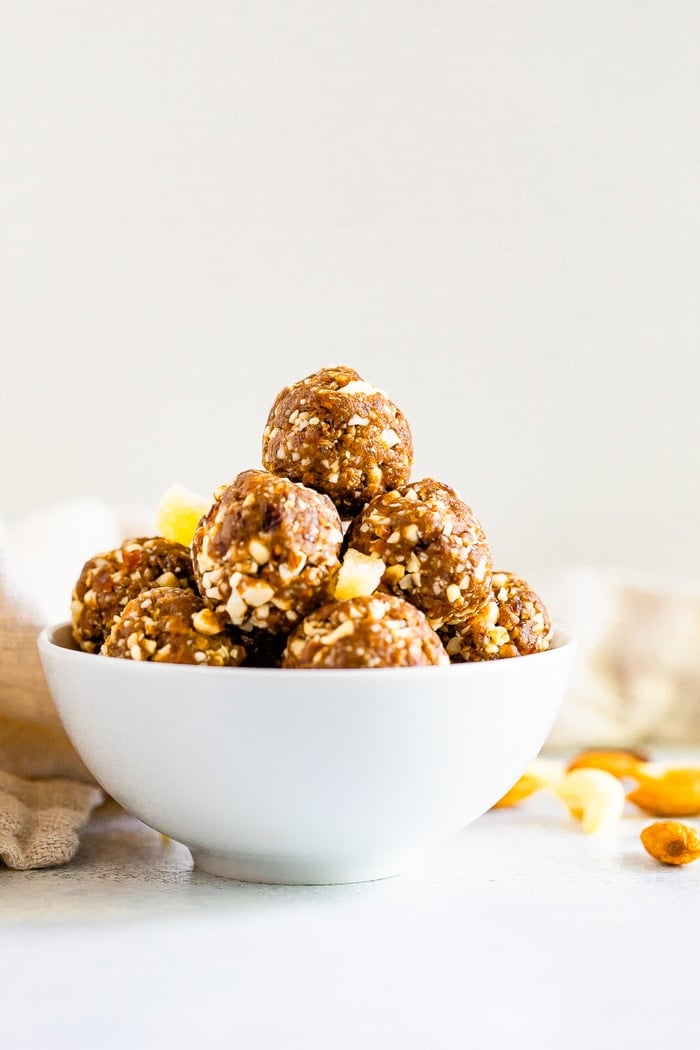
x: 359, y: 575
x: 179, y: 512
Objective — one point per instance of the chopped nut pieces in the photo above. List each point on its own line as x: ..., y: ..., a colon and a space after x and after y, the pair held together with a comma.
x: 108, y: 581
x: 434, y: 548
x: 671, y: 843
x: 512, y: 622
x: 619, y: 762
x: 376, y: 631
x: 172, y: 625
x: 667, y: 793
x: 340, y: 435
x: 266, y: 554
x: 594, y: 797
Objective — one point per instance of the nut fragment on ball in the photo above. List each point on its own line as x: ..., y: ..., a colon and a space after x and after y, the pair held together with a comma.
x: 434, y: 548
x: 172, y: 625
x: 110, y: 580
x: 513, y: 622
x: 375, y: 631
x: 267, y: 552
x: 340, y: 435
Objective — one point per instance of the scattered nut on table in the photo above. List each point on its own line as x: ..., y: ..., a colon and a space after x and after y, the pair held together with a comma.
x: 618, y: 761
x: 671, y: 842
x: 592, y: 796
x: 667, y: 792
x: 540, y: 774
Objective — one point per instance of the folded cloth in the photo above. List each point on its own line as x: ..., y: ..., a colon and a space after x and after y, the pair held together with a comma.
x: 637, y: 677
x: 39, y: 820
x: 39, y: 561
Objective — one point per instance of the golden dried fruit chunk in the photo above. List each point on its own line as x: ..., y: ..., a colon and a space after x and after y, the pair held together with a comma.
x: 178, y: 514
x: 668, y: 793
x: 671, y: 843
x: 618, y: 761
x: 524, y: 787
x: 359, y: 576
x: 594, y: 797
x: 540, y: 774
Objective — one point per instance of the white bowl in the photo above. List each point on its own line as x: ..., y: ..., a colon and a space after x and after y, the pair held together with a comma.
x: 305, y: 776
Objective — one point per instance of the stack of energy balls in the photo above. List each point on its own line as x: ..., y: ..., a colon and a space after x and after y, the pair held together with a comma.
x: 328, y: 557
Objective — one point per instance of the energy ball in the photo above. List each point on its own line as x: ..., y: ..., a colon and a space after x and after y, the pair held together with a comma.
x: 266, y: 553
x: 340, y: 435
x: 172, y: 625
x: 434, y: 549
x: 108, y: 581
x: 375, y: 631
x: 514, y: 622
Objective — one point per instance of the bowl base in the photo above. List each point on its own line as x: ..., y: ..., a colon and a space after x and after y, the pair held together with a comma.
x: 300, y: 871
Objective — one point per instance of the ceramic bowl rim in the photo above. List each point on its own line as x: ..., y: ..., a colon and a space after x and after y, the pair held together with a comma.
x: 49, y: 641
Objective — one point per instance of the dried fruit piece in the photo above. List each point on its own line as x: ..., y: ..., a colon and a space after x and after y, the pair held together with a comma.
x: 618, y: 761
x: 594, y: 797
x: 359, y: 576
x: 668, y: 793
x: 179, y: 512
x: 671, y: 843
x: 539, y: 775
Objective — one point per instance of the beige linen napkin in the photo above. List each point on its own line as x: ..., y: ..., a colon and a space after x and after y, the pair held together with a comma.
x: 637, y: 677
x: 39, y: 819
x: 46, y: 793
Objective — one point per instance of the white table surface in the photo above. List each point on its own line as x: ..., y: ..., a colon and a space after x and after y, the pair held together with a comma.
x: 519, y: 932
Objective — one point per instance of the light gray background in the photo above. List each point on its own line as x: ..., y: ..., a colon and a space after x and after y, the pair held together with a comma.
x: 488, y: 208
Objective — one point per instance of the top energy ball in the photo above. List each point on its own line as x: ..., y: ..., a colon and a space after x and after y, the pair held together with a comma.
x: 339, y: 435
